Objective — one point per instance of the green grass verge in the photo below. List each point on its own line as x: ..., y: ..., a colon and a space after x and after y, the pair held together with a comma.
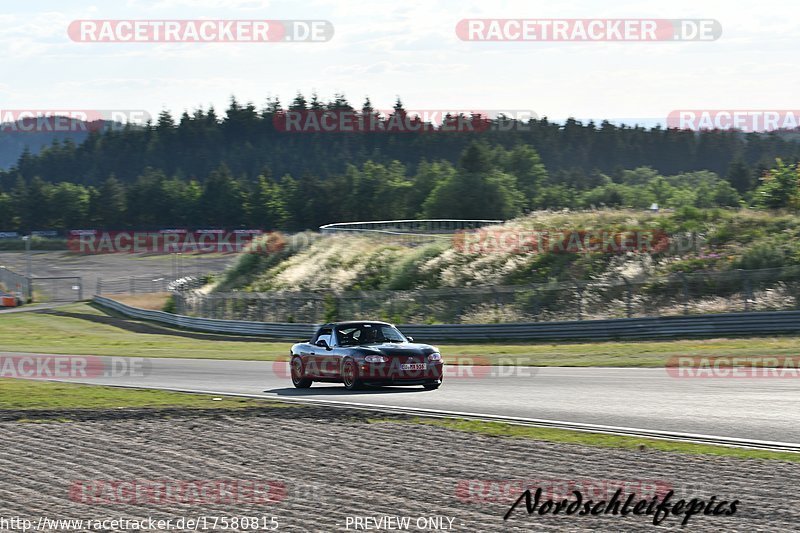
x: 646, y: 354
x: 499, y: 429
x: 17, y: 394
x: 42, y: 333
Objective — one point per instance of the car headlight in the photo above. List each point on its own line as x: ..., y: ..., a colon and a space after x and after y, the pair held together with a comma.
x: 375, y: 359
x: 435, y: 356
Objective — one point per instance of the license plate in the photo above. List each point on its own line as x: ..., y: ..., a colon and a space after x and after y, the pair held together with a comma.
x: 413, y: 366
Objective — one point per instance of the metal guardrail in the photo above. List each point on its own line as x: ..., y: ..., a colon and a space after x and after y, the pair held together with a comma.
x: 423, y: 226
x: 755, y: 323
x: 211, y: 325
x: 409, y: 232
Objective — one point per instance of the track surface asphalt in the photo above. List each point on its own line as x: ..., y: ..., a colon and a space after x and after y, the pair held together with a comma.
x: 747, y: 408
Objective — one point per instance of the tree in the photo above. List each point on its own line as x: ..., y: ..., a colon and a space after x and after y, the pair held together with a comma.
x: 222, y: 199
x: 72, y: 203
x: 780, y: 187
x: 299, y: 103
x: 475, y: 191
x: 524, y: 163
x: 264, y: 205
x: 110, y: 208
x: 19, y: 204
x: 38, y: 211
x: 740, y: 176
x: 6, y: 212
x: 428, y: 176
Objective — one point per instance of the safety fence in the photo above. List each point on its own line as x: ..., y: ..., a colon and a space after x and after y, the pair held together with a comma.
x: 673, y: 295
x: 711, y: 325
x: 58, y: 289
x: 14, y: 283
x: 42, y: 289
x: 147, y: 284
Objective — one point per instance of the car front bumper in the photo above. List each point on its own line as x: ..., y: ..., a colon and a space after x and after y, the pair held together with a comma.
x: 393, y: 373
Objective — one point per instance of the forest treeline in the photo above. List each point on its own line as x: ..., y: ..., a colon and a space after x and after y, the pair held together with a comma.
x: 240, y: 170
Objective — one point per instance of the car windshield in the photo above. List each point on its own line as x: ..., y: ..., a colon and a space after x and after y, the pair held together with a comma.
x: 355, y: 334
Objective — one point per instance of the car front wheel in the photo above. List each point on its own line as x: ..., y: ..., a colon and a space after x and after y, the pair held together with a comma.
x: 350, y: 375
x: 298, y: 378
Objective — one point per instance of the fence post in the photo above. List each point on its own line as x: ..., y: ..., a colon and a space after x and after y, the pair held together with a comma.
x: 80, y: 289
x: 132, y: 286
x: 747, y: 289
x: 580, y: 301
x: 99, y: 286
x: 629, y: 299
x: 685, y: 284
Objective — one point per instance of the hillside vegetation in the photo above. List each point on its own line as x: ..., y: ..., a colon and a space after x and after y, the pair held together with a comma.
x: 701, y: 240
x: 701, y: 261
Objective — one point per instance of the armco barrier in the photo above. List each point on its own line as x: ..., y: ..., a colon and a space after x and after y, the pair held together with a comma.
x: 238, y: 327
x: 711, y: 325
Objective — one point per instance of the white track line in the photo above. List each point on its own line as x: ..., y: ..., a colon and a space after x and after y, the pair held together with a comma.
x: 534, y: 422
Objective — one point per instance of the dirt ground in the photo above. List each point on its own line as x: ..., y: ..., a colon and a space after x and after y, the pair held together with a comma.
x: 320, y: 470
x: 114, y: 266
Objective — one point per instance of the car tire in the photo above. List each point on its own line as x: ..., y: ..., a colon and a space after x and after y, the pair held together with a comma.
x: 298, y: 379
x: 432, y: 386
x: 350, y: 376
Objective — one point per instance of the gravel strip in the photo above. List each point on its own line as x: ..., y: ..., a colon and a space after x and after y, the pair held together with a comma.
x: 321, y: 469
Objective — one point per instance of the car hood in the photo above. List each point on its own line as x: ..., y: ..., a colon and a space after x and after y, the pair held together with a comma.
x: 400, y: 348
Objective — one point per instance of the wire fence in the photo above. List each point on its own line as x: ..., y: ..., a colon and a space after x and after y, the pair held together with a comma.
x: 14, y: 283
x: 677, y: 294
x: 58, y: 289
x: 148, y: 284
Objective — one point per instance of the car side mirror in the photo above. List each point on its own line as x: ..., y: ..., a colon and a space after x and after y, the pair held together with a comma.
x: 410, y: 338
x: 323, y: 344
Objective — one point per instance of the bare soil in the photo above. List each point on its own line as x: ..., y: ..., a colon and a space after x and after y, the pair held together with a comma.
x: 332, y: 465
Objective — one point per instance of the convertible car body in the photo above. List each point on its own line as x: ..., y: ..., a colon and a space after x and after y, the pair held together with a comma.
x: 364, y: 353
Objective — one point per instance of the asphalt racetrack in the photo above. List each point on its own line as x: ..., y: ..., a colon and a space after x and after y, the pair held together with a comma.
x: 650, y: 399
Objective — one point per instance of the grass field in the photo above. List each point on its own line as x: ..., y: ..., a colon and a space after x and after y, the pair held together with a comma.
x: 45, y: 333
x: 31, y: 396
x: 18, y: 394
x: 497, y: 429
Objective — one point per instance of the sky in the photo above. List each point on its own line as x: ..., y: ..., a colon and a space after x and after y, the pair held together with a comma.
x: 384, y: 49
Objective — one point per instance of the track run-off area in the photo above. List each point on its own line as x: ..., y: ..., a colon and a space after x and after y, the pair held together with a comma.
x: 754, y: 412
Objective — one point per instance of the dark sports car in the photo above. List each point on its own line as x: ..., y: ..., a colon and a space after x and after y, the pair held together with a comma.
x: 364, y: 353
